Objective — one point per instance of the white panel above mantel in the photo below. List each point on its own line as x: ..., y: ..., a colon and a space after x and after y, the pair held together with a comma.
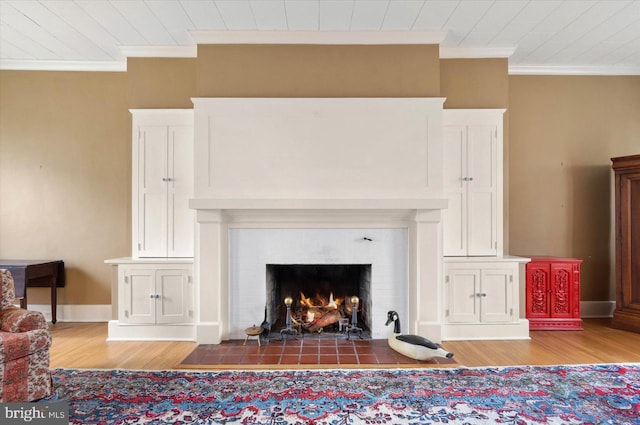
x: 318, y: 148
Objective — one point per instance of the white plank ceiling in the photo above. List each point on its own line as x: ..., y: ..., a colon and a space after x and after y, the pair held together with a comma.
x: 538, y: 36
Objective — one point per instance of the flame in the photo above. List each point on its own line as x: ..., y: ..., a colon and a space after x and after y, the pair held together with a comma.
x: 305, y: 301
x: 332, y: 302
x: 319, y: 301
x: 310, y: 316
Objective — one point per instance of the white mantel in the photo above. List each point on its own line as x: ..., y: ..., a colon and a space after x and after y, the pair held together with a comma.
x: 318, y: 204
x: 424, y: 268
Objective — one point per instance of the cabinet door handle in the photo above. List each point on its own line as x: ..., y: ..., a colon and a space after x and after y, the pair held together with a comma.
x: 481, y: 294
x: 470, y: 179
x: 167, y: 179
x: 464, y: 179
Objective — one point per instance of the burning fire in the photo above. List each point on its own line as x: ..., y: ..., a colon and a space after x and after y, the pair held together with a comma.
x: 320, y: 301
x: 318, y: 305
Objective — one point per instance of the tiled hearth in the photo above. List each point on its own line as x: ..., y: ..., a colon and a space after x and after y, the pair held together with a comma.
x: 303, y: 352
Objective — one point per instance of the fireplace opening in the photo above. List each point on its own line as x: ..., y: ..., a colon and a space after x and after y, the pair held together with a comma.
x: 324, y: 300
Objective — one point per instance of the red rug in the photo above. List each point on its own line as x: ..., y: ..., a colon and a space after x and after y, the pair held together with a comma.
x: 581, y: 394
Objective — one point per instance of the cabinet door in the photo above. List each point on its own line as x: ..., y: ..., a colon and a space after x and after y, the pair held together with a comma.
x: 152, y: 191
x: 455, y: 189
x: 180, y: 175
x: 496, y: 296
x: 173, y: 301
x: 561, y: 289
x: 538, y: 289
x: 481, y: 190
x: 138, y: 289
x: 463, y: 287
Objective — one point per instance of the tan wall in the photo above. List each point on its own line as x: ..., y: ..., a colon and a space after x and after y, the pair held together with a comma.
x: 161, y: 82
x: 321, y: 71
x: 474, y: 83
x: 564, y: 130
x: 65, y: 176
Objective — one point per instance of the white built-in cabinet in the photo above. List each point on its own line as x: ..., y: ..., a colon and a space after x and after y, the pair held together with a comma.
x: 480, y: 293
x: 472, y: 181
x: 163, y: 176
x: 154, y: 287
x: 155, y: 293
x: 482, y: 286
x: 483, y: 298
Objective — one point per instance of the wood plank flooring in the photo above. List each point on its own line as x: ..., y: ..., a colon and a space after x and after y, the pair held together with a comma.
x: 84, y: 345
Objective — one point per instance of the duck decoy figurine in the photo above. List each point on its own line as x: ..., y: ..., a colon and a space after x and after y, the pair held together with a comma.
x: 413, y: 346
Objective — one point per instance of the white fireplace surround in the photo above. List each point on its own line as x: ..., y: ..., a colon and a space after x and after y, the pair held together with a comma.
x: 302, y: 176
x: 405, y: 253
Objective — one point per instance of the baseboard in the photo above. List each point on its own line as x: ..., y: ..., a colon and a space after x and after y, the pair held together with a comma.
x: 597, y: 309
x: 128, y: 332
x: 75, y: 312
x: 486, y: 331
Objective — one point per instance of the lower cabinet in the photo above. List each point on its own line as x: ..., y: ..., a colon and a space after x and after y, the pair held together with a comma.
x: 482, y: 298
x: 553, y: 293
x: 155, y: 299
x: 155, y: 295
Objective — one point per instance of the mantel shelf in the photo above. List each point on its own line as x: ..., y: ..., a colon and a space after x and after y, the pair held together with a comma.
x: 318, y: 204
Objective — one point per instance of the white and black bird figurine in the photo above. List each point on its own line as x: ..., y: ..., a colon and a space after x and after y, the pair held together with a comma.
x: 413, y: 346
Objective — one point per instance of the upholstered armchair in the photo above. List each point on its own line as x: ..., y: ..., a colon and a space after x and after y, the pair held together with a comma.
x: 25, y: 341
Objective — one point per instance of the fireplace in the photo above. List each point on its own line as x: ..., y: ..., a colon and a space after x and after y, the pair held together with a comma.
x: 268, y: 264
x: 322, y: 299
x: 318, y: 181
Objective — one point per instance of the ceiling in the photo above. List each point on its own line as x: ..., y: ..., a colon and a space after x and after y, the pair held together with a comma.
x: 538, y: 36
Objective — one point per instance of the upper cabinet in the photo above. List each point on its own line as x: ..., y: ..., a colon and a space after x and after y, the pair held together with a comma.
x: 472, y: 182
x: 163, y: 175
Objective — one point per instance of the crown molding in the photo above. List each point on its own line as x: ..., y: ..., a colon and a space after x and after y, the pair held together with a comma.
x: 62, y: 65
x: 476, y: 52
x: 318, y: 37
x: 160, y: 51
x: 573, y: 70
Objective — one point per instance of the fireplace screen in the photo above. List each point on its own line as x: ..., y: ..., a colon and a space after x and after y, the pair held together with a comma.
x: 323, y: 299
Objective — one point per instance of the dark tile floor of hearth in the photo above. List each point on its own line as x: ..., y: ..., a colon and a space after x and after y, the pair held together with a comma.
x: 305, y: 353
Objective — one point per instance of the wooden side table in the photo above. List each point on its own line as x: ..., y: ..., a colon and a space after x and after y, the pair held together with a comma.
x: 36, y: 273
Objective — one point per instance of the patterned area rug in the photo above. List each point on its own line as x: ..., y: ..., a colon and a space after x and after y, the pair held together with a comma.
x: 515, y: 395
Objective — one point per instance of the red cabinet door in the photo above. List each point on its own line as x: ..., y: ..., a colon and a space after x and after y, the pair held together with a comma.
x: 561, y: 291
x: 538, y: 290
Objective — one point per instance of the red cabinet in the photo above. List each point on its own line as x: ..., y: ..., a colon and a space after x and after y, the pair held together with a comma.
x: 553, y: 293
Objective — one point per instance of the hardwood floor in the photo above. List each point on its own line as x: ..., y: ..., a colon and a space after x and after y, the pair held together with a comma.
x: 84, y: 345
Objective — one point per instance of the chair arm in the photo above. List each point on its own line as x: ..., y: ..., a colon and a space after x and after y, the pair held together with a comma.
x: 14, y: 319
